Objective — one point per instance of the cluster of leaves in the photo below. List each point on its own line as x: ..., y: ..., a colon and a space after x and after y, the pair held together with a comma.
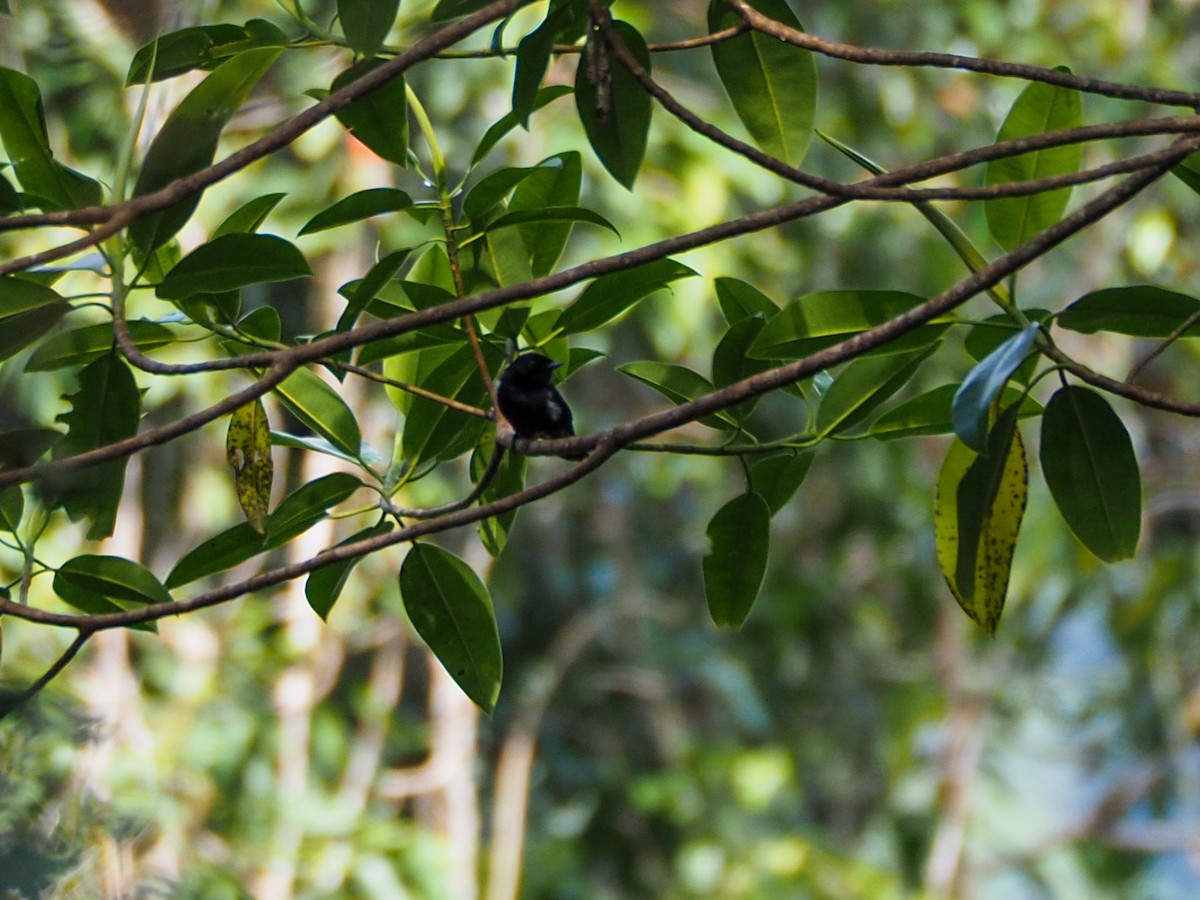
x: 435, y: 321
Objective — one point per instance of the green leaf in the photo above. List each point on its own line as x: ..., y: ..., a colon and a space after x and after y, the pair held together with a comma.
x: 678, y: 384
x: 104, y: 410
x: 739, y: 535
x: 1092, y: 472
x: 740, y: 300
x: 324, y: 585
x: 25, y: 446
x: 1040, y: 108
x: 977, y: 516
x: 356, y: 207
x: 555, y: 183
x: 433, y: 431
x: 610, y: 295
x: 101, y: 584
x: 12, y: 508
x: 507, y: 123
x: 248, y: 449
x: 202, y: 47
x: 862, y: 386
x: 773, y: 85
x: 247, y: 218
x: 27, y: 311
x: 318, y: 405
x: 452, y: 612
x: 613, y: 107
x: 973, y: 402
x: 369, y: 287
x: 1137, y: 310
x: 510, y: 479
x: 81, y: 346
x: 366, y: 23
x: 822, y: 319
x: 987, y: 335
x: 23, y: 131
x: 298, y: 512
x: 187, y: 142
x: 1188, y: 171
x: 932, y: 413
x: 731, y: 363
x: 231, y: 262
x: 777, y: 478
x: 550, y: 214
x: 533, y: 58
x: 379, y: 119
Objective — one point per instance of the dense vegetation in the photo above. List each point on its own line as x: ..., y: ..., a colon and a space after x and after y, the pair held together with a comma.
x: 837, y: 358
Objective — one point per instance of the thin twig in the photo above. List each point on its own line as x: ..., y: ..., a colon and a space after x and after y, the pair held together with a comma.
x: 12, y: 704
x: 929, y: 59
x: 1158, y: 350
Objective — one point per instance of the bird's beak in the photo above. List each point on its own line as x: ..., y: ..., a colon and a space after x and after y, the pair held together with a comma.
x: 555, y: 365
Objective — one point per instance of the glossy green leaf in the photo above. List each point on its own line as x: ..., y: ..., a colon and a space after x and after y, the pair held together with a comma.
x: 358, y: 206
x: 510, y: 479
x: 187, y: 141
x: 366, y: 23
x: 298, y: 512
x: 773, y: 85
x: 248, y: 449
x: 739, y: 536
x: 822, y: 319
x: 610, y: 295
x: 1143, y: 310
x: 104, y: 410
x: 678, y: 384
x: 368, y: 288
x: 613, y: 107
x: 23, y: 131
x: 981, y: 387
x: 231, y: 262
x: 27, y: 311
x: 452, y: 9
x: 1092, y: 472
x: 507, y: 123
x: 533, y: 57
x: 315, y: 403
x: 556, y: 183
x: 248, y: 217
x: 731, y: 361
x: 977, y: 517
x: 550, y: 214
x: 933, y: 413
x: 1040, y: 108
x: 452, y: 612
x: 739, y: 300
x: 861, y: 387
x: 325, y: 585
x: 432, y: 431
x: 81, y: 346
x: 491, y: 190
x: 777, y: 478
x: 379, y: 119
x: 201, y: 47
x: 99, y: 584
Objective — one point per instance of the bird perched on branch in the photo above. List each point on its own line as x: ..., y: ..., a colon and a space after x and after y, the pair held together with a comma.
x: 530, y: 402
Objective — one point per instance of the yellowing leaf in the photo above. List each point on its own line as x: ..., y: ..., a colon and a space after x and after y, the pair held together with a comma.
x: 248, y: 447
x: 977, y: 516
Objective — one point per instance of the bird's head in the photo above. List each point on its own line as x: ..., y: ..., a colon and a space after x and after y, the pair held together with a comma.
x: 531, y: 371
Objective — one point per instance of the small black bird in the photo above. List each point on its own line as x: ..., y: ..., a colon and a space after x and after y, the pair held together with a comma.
x: 532, y: 405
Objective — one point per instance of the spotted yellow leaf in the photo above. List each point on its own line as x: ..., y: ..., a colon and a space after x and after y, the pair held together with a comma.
x: 977, y: 517
x: 248, y: 448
